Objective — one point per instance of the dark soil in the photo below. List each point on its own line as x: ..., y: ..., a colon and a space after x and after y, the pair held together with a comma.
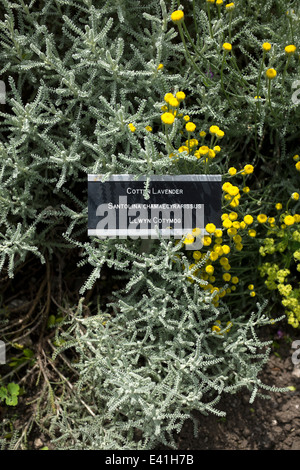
x: 272, y: 424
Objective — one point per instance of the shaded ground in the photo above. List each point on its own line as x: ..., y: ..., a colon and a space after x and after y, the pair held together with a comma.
x: 272, y: 424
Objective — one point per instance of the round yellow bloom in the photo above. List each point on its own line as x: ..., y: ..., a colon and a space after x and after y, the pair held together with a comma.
x: 227, y: 223
x: 209, y: 269
x: 202, y: 134
x: 252, y: 232
x: 203, y: 150
x: 291, y: 49
x: 289, y: 220
x: 248, y: 219
x: 296, y: 158
x: 180, y: 95
x: 173, y: 102
x: 266, y: 46
x: 210, y: 228
x: 251, y: 287
x: 233, y: 216
x: 262, y: 218
x: 190, y: 127
x: 295, y: 196
x: 227, y: 47
x: 226, y: 249
x: 297, y: 166
x: 216, y: 328
x: 214, y: 129
x: 167, y: 118
x: 217, y: 148
x: 252, y: 293
x: 226, y: 277
x: 186, y: 118
x: 197, y: 255
x: 248, y: 169
x: 218, y: 233
x: 232, y: 171
x: 160, y: 66
x: 213, y: 256
x: 206, y: 240
x: 278, y: 206
x: 220, y: 134
x: 246, y: 189
x: 230, y: 6
x: 271, y: 73
x: 188, y: 239
x: 168, y: 96
x: 219, y: 2
x: 148, y: 128
x: 235, y: 280
x: 131, y: 127
x: 177, y: 16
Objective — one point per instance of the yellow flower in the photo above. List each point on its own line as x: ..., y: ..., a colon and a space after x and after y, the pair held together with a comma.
x: 177, y: 16
x: 213, y: 256
x: 261, y: 218
x: 266, y: 46
x: 289, y: 220
x: 252, y: 293
x: 218, y: 233
x: 216, y: 328
x: 209, y: 269
x: 252, y: 232
x: 233, y: 216
x: 188, y: 239
x: 190, y: 127
x: 295, y: 196
x: 226, y: 249
x: 271, y: 73
x: 230, y: 6
x: 210, y: 228
x: 217, y: 149
x: 160, y: 66
x: 206, y: 240
x: 291, y: 49
x: 297, y: 166
x: 197, y: 255
x: 227, y: 47
x: 203, y: 150
x: 219, y: 2
x: 213, y: 129
x: 246, y: 189
x: 248, y: 219
x: 226, y: 277
x: 167, y: 118
x: 220, y: 134
x: 235, y: 280
x: 180, y: 95
x: 173, y: 102
x: 227, y: 223
x: 232, y: 171
x: 148, y: 128
x: 248, y: 169
x: 186, y: 118
x: 168, y: 96
x: 210, y: 1
x: 131, y: 127
x: 251, y: 287
x: 296, y: 158
x: 202, y: 134
x: 231, y: 231
x: 278, y: 206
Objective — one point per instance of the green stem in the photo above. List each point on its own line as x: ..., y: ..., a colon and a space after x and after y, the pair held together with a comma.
x: 269, y: 93
x: 209, y: 20
x: 189, y: 57
x: 260, y: 72
x: 284, y: 73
